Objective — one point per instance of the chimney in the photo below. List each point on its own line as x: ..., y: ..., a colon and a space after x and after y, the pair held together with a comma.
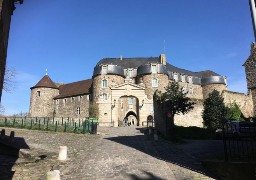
x: 162, y: 58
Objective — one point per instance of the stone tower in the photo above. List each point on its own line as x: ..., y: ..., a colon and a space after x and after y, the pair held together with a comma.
x: 41, y: 99
x: 250, y: 72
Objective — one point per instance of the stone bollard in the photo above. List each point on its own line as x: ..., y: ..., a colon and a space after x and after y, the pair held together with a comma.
x: 12, y: 134
x: 3, y: 132
x: 53, y: 175
x: 63, y: 153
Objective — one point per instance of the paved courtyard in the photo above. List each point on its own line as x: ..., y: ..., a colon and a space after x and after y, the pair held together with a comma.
x: 116, y: 153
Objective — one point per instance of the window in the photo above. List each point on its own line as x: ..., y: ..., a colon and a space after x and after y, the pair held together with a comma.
x: 130, y: 73
x: 154, y: 82
x: 78, y: 110
x: 72, y: 99
x: 104, y: 70
x: 38, y: 93
x: 89, y: 97
x: 191, y: 90
x: 184, y: 90
x: 183, y: 78
x: 153, y: 68
x: 130, y: 101
x: 57, y: 101
x: 190, y: 79
x: 176, y: 77
x: 79, y: 98
x: 104, y: 96
x: 104, y: 83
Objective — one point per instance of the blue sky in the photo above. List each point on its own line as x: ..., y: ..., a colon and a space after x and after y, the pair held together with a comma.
x: 68, y: 37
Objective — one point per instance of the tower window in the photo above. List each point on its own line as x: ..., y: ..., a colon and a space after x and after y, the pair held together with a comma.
x: 191, y: 90
x: 153, y: 68
x: 104, y: 70
x: 130, y: 101
x: 72, y: 99
x: 104, y: 96
x: 183, y: 78
x: 38, y: 93
x: 130, y: 73
x: 79, y: 98
x: 78, y: 110
x: 104, y: 83
x: 176, y: 77
x: 154, y: 82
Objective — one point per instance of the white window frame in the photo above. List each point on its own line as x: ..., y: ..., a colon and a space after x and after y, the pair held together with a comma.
x: 130, y: 73
x: 104, y: 70
x: 104, y: 85
x: 176, y: 77
x: 104, y: 96
x: 78, y: 111
x: 154, y: 71
x: 190, y: 79
x: 154, y: 82
x: 183, y: 78
x: 191, y: 90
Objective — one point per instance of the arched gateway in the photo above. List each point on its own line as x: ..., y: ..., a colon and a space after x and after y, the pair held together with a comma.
x: 129, y: 99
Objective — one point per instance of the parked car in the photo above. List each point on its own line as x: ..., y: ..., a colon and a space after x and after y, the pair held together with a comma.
x: 237, y: 129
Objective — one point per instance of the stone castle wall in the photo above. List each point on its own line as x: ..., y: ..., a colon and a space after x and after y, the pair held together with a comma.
x: 69, y: 107
x: 209, y: 88
x: 192, y: 118
x: 147, y: 81
x: 42, y: 105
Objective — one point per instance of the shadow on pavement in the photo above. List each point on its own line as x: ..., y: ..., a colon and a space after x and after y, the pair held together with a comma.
x: 9, y: 153
x: 163, y: 150
x: 150, y: 176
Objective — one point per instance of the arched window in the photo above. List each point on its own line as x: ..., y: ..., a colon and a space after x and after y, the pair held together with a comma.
x: 104, y: 83
x: 154, y: 82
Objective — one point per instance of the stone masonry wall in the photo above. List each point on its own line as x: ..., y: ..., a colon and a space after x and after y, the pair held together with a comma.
x: 192, y: 118
x: 243, y: 101
x: 42, y: 106
x: 162, y: 83
x: 209, y: 88
x: 196, y: 91
x: 68, y: 107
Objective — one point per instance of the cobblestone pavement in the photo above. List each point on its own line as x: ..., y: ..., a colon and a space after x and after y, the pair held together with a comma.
x: 117, y: 153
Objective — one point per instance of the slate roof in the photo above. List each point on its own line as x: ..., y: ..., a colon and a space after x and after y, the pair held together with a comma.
x: 74, y: 89
x: 45, y: 82
x: 136, y: 62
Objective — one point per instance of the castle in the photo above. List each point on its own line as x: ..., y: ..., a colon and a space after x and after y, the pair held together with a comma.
x: 123, y: 88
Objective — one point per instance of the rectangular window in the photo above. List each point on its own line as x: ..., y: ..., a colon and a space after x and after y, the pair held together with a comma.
x: 191, y: 90
x: 176, y: 77
x: 154, y: 82
x: 104, y: 70
x: 130, y: 101
x: 78, y: 110
x: 190, y: 80
x: 130, y: 73
x: 104, y: 83
x: 38, y: 93
x: 153, y: 68
x: 183, y: 78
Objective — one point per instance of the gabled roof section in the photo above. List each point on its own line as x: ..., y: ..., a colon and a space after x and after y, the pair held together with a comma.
x: 45, y: 82
x: 128, y: 85
x: 74, y: 89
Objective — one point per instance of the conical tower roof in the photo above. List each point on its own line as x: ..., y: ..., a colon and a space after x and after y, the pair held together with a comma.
x: 45, y: 82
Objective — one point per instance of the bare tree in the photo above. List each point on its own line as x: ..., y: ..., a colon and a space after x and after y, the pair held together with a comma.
x: 10, y: 74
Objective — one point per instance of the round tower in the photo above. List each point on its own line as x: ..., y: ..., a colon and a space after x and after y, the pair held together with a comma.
x: 41, y: 98
x: 211, y: 83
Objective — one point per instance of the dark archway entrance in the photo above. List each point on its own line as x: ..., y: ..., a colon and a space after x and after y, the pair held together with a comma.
x: 132, y: 118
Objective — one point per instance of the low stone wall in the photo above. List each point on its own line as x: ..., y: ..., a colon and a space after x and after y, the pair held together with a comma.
x: 242, y: 100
